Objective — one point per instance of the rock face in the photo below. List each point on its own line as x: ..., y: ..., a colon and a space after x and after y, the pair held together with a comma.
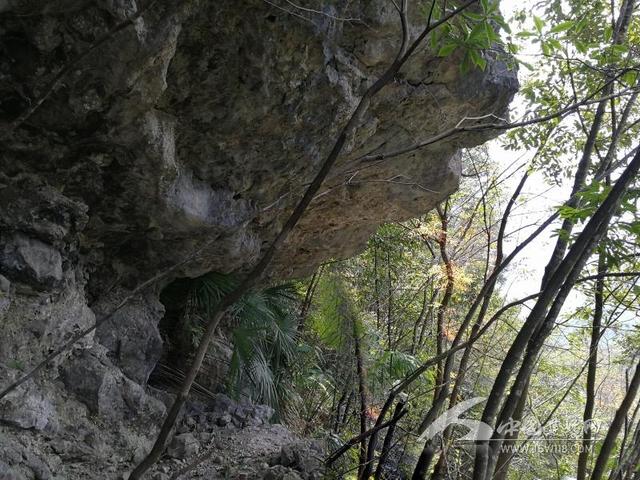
x: 136, y: 135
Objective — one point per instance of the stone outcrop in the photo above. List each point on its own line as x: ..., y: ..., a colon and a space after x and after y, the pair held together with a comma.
x: 188, y: 133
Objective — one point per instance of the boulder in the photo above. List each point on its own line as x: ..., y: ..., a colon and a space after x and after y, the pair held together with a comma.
x: 278, y: 472
x: 31, y: 261
x: 183, y: 446
x: 95, y: 384
x: 26, y: 408
x: 132, y: 336
x: 304, y: 456
x: 192, y: 132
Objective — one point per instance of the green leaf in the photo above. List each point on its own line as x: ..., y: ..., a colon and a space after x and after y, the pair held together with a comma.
x: 478, y: 36
x: 634, y: 228
x: 526, y: 65
x: 620, y: 49
x: 562, y: 27
x: 447, y: 49
x: 504, y: 25
x: 630, y: 78
x: 492, y: 36
x: 582, y: 24
x: 477, y: 59
x: 581, y: 46
x: 525, y: 34
x: 539, y: 23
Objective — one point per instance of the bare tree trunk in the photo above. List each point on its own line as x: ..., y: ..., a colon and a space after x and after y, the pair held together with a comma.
x: 418, y: 326
x: 347, y: 407
x: 630, y: 462
x: 389, y: 303
x: 388, y: 439
x: 614, y: 429
x: 428, y: 319
x: 424, y: 460
x: 376, y: 285
x: 372, y: 431
x: 362, y: 391
x: 444, y: 302
x: 583, y: 457
x: 504, y: 459
x: 343, y: 401
x: 308, y: 298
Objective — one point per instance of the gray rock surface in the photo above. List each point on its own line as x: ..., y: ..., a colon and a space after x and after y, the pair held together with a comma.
x: 132, y: 336
x: 31, y: 260
x: 106, y: 392
x: 5, y: 285
x: 26, y: 408
x: 278, y: 472
x: 183, y: 446
x: 210, y: 122
x: 188, y: 135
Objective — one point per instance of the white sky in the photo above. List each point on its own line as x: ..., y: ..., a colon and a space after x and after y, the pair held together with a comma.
x: 524, y: 277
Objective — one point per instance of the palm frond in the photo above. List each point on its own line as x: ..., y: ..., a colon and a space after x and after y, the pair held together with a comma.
x: 264, y: 332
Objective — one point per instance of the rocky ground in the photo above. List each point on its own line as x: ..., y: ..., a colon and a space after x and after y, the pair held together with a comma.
x: 217, y: 439
x: 232, y: 441
x: 270, y: 452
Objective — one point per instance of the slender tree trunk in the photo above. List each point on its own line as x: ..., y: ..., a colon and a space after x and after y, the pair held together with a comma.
x: 347, y: 408
x: 444, y: 303
x: 308, y: 298
x: 583, y: 457
x: 440, y: 470
x: 534, y: 347
x: 504, y: 459
x: 376, y: 285
x: 419, y: 323
x: 562, y: 242
x: 362, y: 391
x: 388, y: 439
x: 482, y: 300
x: 389, y: 303
x: 428, y: 319
x: 341, y: 403
x: 631, y: 461
x: 424, y: 460
x: 609, y: 441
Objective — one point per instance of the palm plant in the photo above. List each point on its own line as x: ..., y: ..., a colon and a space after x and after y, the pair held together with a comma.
x: 263, y: 330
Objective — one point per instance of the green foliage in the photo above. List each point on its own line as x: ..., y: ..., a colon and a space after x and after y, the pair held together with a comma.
x: 393, y: 365
x: 472, y: 33
x: 264, y: 336
x: 15, y: 364
x: 330, y: 320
